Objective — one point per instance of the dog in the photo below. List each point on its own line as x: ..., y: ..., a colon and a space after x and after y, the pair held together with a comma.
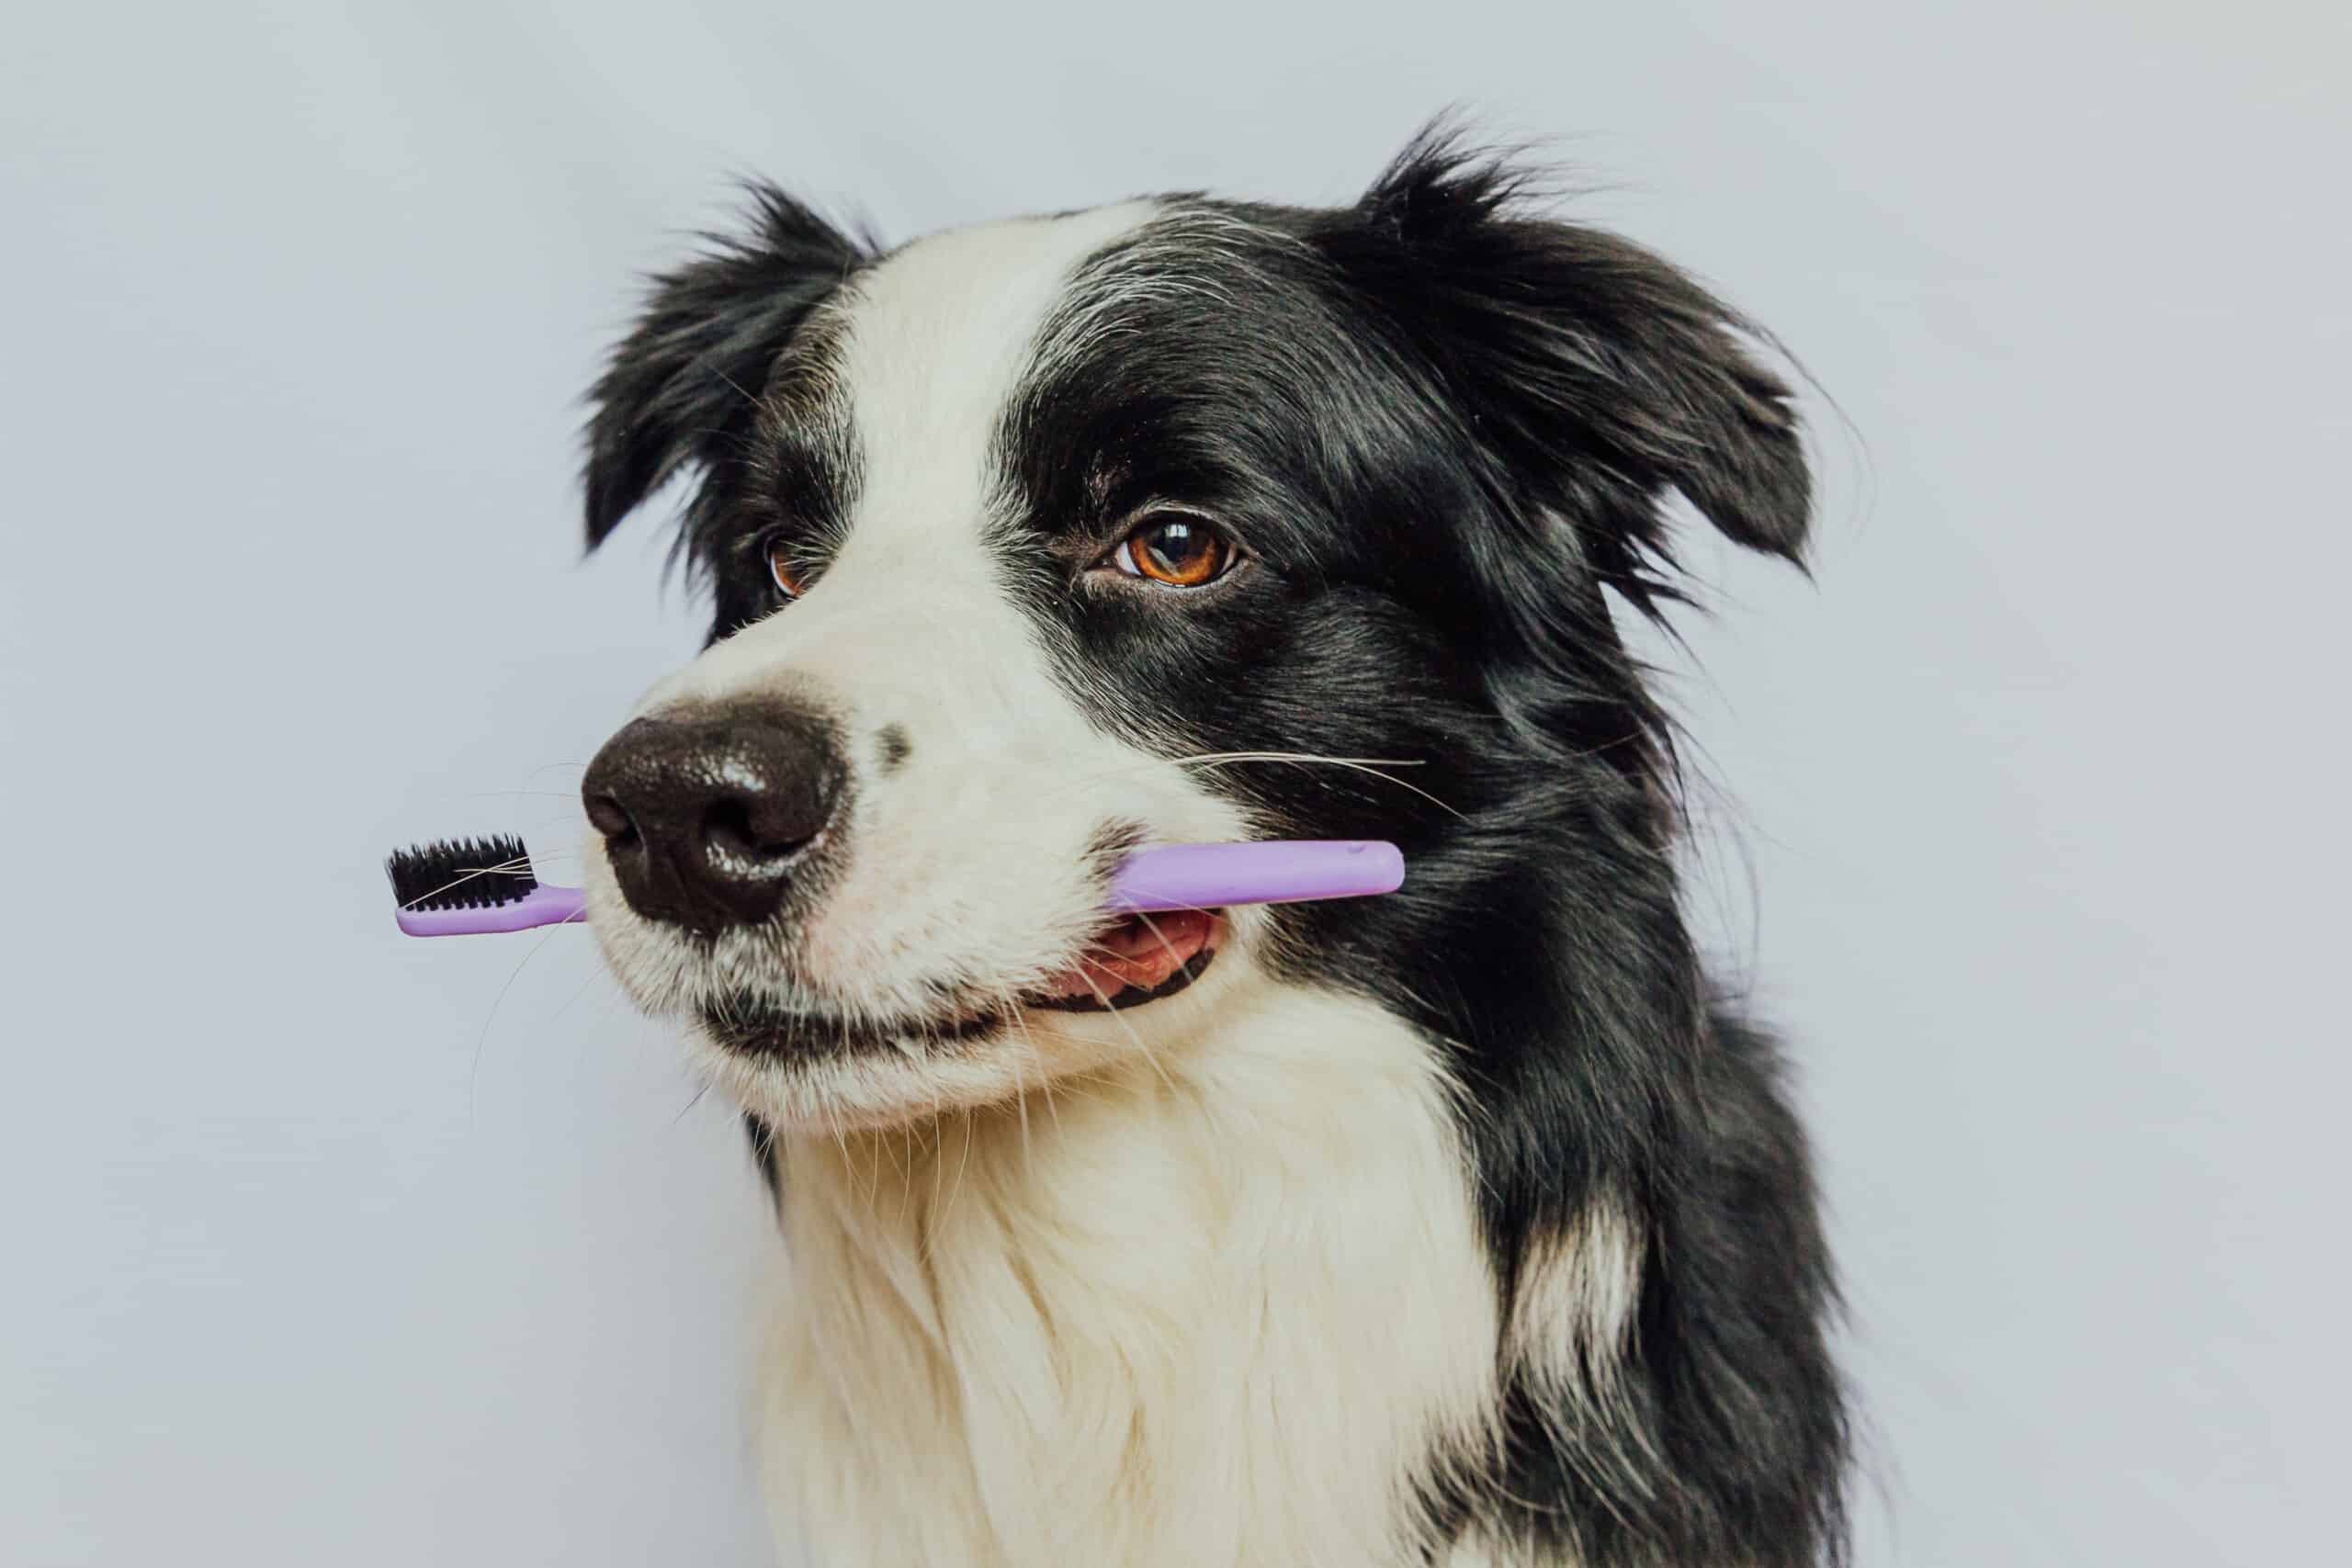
x: 1464, y: 1226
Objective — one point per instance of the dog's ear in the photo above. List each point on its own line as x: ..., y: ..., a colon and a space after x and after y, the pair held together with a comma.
x: 681, y: 386
x: 1594, y: 370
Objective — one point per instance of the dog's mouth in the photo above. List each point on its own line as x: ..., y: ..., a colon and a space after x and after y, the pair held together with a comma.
x: 1138, y: 959
x: 1134, y: 961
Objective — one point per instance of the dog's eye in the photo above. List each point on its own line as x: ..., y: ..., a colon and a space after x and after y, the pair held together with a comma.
x: 1176, y: 550
x: 787, y: 577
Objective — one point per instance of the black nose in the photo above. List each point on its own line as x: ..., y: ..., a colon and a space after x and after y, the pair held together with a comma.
x: 705, y: 815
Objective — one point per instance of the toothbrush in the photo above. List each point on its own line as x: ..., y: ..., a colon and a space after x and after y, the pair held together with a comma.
x: 468, y: 887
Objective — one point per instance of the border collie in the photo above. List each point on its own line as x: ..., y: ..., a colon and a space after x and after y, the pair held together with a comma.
x: 1463, y: 1225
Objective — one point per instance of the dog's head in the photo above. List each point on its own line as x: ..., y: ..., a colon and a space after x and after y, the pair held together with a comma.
x: 1179, y: 520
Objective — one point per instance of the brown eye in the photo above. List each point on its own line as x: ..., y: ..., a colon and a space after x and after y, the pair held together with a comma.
x: 1181, y: 552
x: 781, y: 570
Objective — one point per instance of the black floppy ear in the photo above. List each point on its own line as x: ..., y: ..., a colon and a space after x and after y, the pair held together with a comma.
x: 682, y: 385
x: 1598, y: 372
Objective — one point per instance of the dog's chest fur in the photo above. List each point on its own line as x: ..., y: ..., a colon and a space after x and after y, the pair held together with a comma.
x: 1219, y: 1308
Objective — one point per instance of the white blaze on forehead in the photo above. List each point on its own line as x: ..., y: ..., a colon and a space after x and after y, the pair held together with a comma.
x: 937, y: 339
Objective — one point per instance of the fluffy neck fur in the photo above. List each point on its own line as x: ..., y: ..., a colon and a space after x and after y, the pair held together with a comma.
x: 1219, y: 1307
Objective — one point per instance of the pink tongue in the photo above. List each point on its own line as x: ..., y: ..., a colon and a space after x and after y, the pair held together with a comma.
x: 1142, y: 951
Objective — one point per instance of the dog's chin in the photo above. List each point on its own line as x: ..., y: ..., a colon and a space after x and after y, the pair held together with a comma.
x: 940, y: 1055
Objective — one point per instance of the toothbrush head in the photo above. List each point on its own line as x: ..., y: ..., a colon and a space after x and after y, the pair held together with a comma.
x: 462, y: 874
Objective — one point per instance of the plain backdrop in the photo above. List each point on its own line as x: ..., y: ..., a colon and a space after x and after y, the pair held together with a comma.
x: 323, y: 1246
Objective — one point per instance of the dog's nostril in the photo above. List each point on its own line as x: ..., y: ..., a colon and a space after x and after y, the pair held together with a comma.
x: 727, y: 826
x: 610, y: 818
x: 728, y: 823
x: 754, y: 832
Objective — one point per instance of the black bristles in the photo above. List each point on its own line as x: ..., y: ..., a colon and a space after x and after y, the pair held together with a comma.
x: 462, y: 874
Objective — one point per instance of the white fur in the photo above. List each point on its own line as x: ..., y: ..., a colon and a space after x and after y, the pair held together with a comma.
x: 1573, y: 1311
x: 1211, y: 1309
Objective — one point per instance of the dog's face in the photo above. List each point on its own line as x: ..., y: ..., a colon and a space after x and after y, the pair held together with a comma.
x: 1175, y: 521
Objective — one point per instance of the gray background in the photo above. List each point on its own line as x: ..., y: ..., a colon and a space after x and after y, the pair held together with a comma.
x: 321, y: 1246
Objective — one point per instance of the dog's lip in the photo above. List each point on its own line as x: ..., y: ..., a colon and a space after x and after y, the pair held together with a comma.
x: 770, y: 1031
x: 758, y: 1032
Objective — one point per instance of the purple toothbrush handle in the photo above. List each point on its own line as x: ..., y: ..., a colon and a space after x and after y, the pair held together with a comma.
x: 1287, y: 871
x: 542, y: 905
x: 1173, y: 876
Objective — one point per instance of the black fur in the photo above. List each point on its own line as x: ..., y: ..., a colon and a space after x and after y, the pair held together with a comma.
x: 687, y: 387
x: 1444, y: 427
x: 763, y: 1138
